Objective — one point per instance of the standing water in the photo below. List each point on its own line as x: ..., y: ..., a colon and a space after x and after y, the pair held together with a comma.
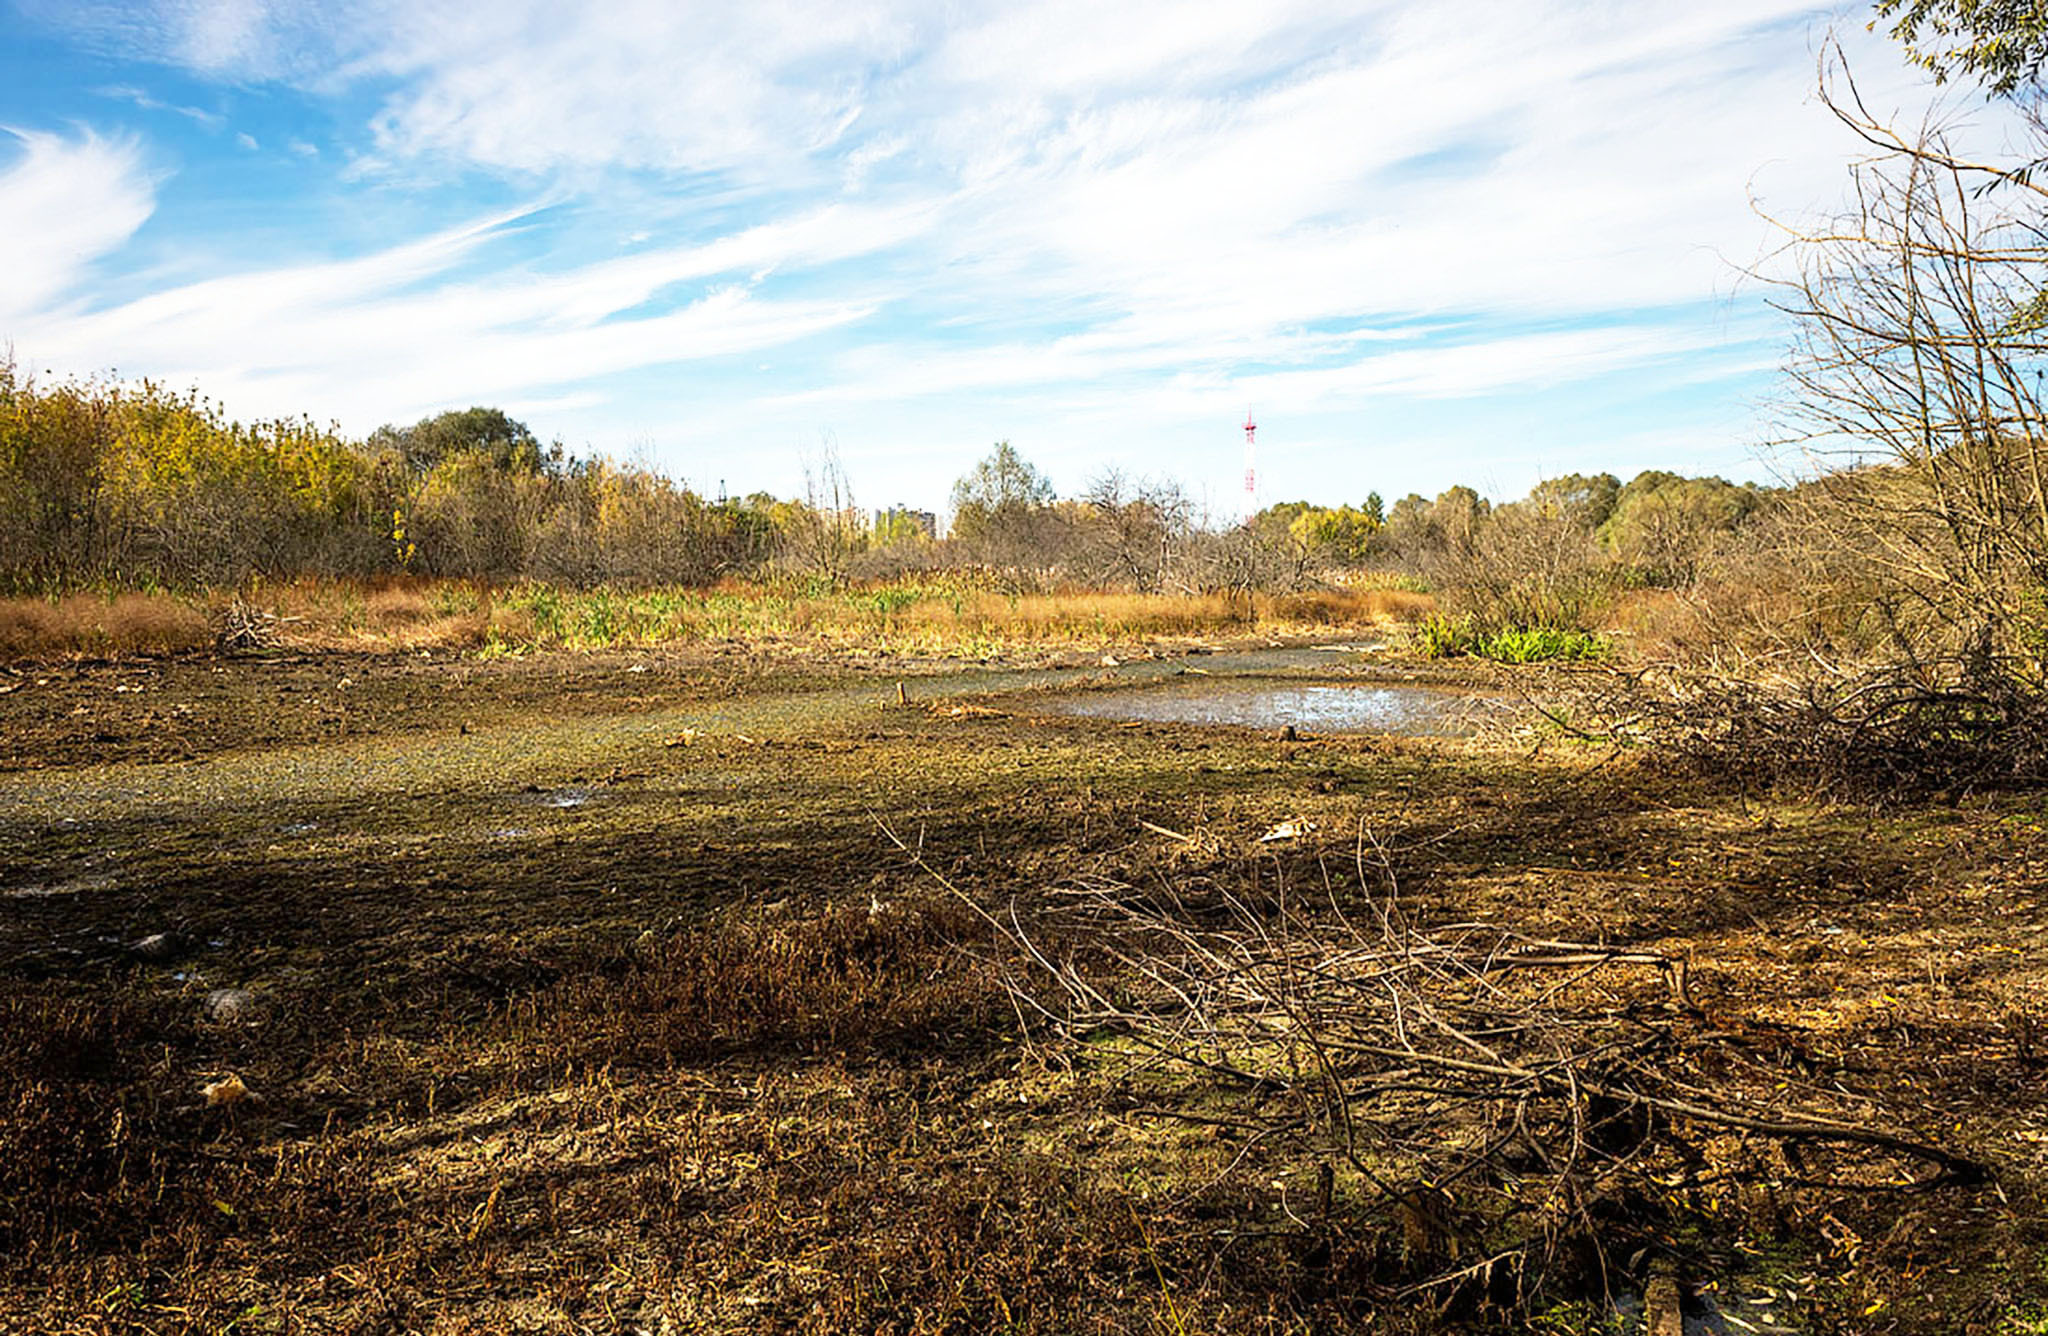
x: 1409, y: 711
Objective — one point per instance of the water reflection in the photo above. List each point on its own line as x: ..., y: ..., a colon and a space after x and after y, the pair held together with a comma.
x: 1409, y: 711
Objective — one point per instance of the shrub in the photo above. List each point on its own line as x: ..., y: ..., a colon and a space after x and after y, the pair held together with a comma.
x: 1442, y: 637
x: 87, y: 624
x: 1530, y: 644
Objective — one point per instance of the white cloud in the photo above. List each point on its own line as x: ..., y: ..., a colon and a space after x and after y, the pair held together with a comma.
x: 140, y: 97
x: 1153, y: 208
x: 534, y: 86
x: 64, y: 204
x: 406, y: 329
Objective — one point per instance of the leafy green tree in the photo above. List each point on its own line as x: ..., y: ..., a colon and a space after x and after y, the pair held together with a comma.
x: 1455, y: 517
x: 2000, y: 43
x: 893, y: 527
x: 1000, y: 493
x: 1409, y: 516
x: 1339, y: 535
x: 509, y: 445
x: 1663, y: 525
x: 1585, y: 500
x: 1419, y: 531
x: 1275, y: 520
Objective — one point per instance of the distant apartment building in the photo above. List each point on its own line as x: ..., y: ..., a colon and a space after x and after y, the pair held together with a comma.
x: 897, y: 522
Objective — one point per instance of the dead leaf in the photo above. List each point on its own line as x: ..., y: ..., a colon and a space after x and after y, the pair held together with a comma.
x: 967, y: 712
x: 227, y: 1090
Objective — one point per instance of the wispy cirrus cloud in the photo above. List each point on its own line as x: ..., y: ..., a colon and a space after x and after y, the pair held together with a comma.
x: 1052, y: 217
x: 140, y: 97
x: 66, y: 202
x: 413, y: 319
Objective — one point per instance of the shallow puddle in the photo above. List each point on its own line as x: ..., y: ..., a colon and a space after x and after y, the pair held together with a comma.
x: 44, y: 890
x: 1409, y: 711
x: 1714, y: 1314
x: 561, y: 799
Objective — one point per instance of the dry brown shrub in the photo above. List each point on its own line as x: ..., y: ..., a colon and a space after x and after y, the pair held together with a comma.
x: 1402, y: 605
x: 1659, y: 624
x: 396, y: 613
x: 1346, y: 607
x: 28, y: 628
x: 463, y: 630
x: 1075, y: 614
x: 397, y: 605
x: 85, y: 624
x: 514, y: 625
x: 1083, y: 613
x: 146, y: 623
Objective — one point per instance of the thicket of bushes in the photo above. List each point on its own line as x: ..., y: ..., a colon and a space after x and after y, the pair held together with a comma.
x: 112, y: 486
x: 1540, y: 577
x: 116, y: 486
x: 107, y: 486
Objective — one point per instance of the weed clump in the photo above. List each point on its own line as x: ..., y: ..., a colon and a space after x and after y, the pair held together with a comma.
x: 1441, y: 637
x: 853, y: 980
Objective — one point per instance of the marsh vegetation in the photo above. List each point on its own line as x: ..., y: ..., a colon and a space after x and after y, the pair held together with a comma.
x: 449, y: 884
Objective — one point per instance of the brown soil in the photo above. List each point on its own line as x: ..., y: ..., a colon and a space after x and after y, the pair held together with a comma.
x: 580, y: 998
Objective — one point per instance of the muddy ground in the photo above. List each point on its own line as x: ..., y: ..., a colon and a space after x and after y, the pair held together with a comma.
x: 601, y: 993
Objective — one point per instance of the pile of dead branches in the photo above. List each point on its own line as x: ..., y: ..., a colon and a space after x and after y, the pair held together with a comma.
x: 1864, y: 736
x: 1855, y: 734
x: 1525, y: 1109
x: 242, y: 625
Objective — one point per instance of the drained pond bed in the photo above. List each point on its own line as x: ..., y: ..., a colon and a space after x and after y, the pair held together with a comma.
x: 555, y: 996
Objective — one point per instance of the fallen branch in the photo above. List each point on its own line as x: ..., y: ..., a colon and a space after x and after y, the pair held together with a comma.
x: 1423, y: 1057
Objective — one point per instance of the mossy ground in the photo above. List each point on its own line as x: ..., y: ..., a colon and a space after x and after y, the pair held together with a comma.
x: 594, y: 994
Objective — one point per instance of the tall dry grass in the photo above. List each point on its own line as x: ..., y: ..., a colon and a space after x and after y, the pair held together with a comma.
x: 87, y: 625
x: 1087, y: 615
x: 919, y: 617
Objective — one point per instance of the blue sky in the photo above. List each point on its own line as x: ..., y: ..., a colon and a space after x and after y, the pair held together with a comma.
x: 1429, y: 243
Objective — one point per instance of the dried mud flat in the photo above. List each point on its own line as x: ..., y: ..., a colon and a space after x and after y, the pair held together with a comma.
x: 623, y: 993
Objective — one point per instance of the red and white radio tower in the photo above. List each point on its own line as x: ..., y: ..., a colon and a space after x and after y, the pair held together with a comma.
x: 1251, y: 472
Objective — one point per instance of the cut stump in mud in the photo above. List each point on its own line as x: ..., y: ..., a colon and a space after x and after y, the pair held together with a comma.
x: 1663, y: 1307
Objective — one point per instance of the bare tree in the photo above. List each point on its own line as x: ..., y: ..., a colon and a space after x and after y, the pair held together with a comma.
x: 823, y: 533
x: 1887, y: 618
x: 1918, y: 367
x: 1134, y: 529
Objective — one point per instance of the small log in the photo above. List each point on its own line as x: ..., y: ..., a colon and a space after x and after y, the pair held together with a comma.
x: 1663, y: 1305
